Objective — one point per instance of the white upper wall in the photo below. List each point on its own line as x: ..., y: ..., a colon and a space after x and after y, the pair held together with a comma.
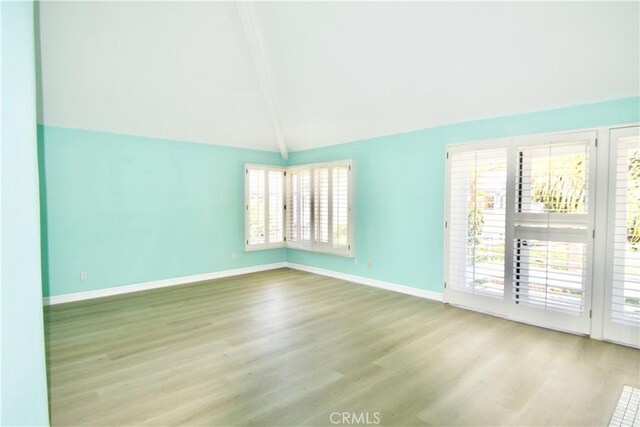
x: 340, y: 71
x: 161, y: 69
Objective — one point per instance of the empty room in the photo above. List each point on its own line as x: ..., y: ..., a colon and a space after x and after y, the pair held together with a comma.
x: 320, y: 213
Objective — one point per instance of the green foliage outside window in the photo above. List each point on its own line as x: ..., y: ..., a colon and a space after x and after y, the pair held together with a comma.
x: 633, y: 202
x: 560, y: 184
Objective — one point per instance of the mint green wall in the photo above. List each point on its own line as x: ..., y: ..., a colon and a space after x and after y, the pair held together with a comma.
x: 23, y: 381
x: 130, y: 209
x: 399, y: 181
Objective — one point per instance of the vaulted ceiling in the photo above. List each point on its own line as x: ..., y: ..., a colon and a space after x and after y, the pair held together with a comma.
x: 324, y: 73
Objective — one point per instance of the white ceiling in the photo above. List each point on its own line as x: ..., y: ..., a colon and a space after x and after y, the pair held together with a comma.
x: 339, y: 71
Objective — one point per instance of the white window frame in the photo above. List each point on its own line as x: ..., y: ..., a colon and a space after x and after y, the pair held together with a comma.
x: 326, y: 247
x: 596, y: 299
x: 307, y: 245
x: 299, y: 243
x: 267, y: 244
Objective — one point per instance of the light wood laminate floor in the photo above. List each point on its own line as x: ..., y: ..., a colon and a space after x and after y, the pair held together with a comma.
x: 285, y: 347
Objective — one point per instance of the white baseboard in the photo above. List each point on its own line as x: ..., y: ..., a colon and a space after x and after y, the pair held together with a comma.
x: 185, y: 280
x: 422, y: 293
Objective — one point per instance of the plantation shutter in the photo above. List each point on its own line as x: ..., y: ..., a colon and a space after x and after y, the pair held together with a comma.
x: 553, y: 182
x: 317, y: 213
x: 550, y: 274
x: 626, y: 254
x: 478, y: 182
x: 305, y: 206
x: 276, y: 203
x: 340, y: 206
x: 321, y: 205
x: 293, y: 208
x: 264, y: 207
x: 256, y: 206
x: 299, y: 207
x: 551, y: 225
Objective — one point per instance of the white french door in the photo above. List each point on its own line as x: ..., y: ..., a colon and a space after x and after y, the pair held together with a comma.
x: 519, y: 229
x: 553, y: 231
x: 476, y: 229
x: 622, y: 292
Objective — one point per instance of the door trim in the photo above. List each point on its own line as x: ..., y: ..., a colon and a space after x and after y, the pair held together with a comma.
x: 599, y: 194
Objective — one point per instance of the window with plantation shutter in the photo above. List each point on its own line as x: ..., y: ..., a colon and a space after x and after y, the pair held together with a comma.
x: 622, y: 306
x: 321, y: 205
x: 320, y: 199
x: 302, y: 207
x: 256, y: 207
x: 519, y: 228
x: 552, y: 225
x: 626, y: 256
x: 299, y: 208
x: 478, y: 182
x: 264, y: 207
x: 293, y: 207
x: 340, y: 209
x: 305, y: 206
x: 550, y: 274
x: 276, y: 202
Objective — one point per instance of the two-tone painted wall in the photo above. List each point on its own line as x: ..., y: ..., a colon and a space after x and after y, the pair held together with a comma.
x: 130, y: 210
x: 23, y: 381
x: 400, y: 181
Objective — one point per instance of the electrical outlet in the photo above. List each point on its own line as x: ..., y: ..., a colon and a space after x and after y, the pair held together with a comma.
x: 355, y: 261
x: 233, y: 257
x: 84, y: 275
x: 369, y: 265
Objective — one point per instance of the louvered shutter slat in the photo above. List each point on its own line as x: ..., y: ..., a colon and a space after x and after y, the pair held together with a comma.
x: 340, y: 202
x: 256, y: 206
x: 321, y: 205
x: 552, y: 183
x: 293, y: 208
x: 276, y: 202
x: 477, y: 221
x: 625, y: 306
x: 305, y: 205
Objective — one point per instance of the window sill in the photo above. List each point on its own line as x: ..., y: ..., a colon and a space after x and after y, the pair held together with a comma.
x: 264, y: 246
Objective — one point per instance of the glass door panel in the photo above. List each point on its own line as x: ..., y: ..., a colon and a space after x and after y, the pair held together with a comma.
x: 476, y: 230
x: 552, y: 232
x: 622, y: 302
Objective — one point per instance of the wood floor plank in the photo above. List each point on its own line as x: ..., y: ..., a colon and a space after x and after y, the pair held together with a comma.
x: 286, y: 348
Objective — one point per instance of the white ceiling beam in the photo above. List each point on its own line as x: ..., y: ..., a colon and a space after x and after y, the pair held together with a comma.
x: 247, y: 19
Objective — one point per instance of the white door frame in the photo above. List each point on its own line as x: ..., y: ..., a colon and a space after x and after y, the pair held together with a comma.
x: 618, y: 332
x: 595, y: 300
